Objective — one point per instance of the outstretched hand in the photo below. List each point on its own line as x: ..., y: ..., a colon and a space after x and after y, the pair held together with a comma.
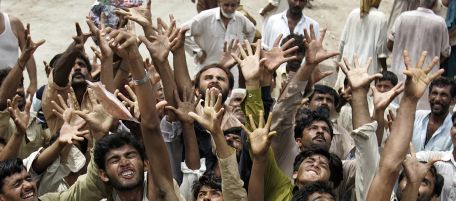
x: 21, y: 118
x: 417, y: 78
x: 415, y: 171
x: 29, y: 49
x: 227, y: 61
x: 130, y: 103
x: 141, y: 15
x: 382, y: 100
x: 358, y: 76
x: 106, y: 51
x: 260, y: 137
x: 185, y: 105
x: 162, y: 40
x: 80, y: 38
x: 315, y: 53
x: 250, y: 63
x: 211, y: 118
x: 279, y: 55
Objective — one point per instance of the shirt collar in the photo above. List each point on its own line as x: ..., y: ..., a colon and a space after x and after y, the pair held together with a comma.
x: 284, y: 17
x: 426, y: 10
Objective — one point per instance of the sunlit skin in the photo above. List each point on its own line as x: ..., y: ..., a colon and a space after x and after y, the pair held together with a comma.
x: 214, y: 78
x: 383, y: 86
x: 19, y: 187
x: 208, y: 194
x: 323, y: 100
x: 440, y: 100
x: 313, y: 168
x: 426, y: 187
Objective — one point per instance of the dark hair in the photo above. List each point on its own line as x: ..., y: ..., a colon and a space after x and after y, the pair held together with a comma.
x: 444, y: 82
x: 299, y: 42
x: 439, y: 180
x: 323, y: 89
x: 114, y: 141
x: 306, y: 117
x: 9, y: 167
x: 453, y: 116
x: 3, y: 74
x: 208, y: 180
x: 335, y: 164
x: 307, y: 190
x: 205, y: 68
x: 2, y: 141
x: 80, y: 55
x: 388, y: 76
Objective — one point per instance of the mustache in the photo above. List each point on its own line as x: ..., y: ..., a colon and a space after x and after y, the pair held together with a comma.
x: 77, y: 73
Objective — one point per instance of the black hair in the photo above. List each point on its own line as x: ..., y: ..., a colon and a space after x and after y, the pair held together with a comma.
x: 305, y: 118
x: 9, y: 167
x: 388, y: 76
x: 3, y: 74
x: 299, y: 42
x: 439, y: 180
x: 114, y: 141
x: 208, y: 180
x: 335, y: 164
x: 307, y: 190
x: 323, y: 89
x: 205, y: 68
x: 80, y: 55
x: 444, y: 82
x: 453, y: 116
x: 2, y: 141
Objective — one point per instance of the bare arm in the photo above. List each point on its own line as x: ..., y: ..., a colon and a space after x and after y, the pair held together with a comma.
x: 401, y: 133
x: 181, y: 75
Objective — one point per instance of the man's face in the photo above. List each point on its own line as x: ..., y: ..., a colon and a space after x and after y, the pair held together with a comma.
x: 320, y: 197
x: 313, y: 168
x: 236, y: 100
x: 440, y: 100
x: 323, y: 100
x: 294, y: 64
x: 124, y: 168
x: 426, y: 187
x: 384, y: 86
x: 207, y: 193
x: 214, y: 78
x: 296, y: 6
x: 79, y: 73
x: 228, y: 7
x: 19, y: 186
x: 317, y: 133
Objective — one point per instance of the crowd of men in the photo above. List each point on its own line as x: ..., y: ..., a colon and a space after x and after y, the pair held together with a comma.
x: 253, y: 124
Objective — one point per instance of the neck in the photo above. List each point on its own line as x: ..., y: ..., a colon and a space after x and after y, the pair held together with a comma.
x: 79, y: 91
x: 294, y: 16
x: 224, y: 19
x: 438, y: 118
x: 131, y: 195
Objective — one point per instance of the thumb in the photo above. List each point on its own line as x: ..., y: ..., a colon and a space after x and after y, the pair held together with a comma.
x: 161, y: 104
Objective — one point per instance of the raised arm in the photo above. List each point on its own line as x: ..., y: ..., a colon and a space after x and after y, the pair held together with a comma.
x: 181, y: 75
x: 156, y: 150
x: 21, y: 119
x: 11, y: 82
x: 397, y: 145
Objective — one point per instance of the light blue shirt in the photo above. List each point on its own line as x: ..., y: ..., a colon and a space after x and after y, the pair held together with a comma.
x: 440, y: 140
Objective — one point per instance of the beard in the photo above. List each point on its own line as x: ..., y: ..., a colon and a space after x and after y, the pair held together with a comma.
x: 224, y: 92
x: 78, y: 79
x: 119, y: 186
x: 296, y: 11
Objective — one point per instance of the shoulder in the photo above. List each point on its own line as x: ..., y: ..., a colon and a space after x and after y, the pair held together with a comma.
x: 206, y: 14
x: 311, y: 21
x: 274, y: 18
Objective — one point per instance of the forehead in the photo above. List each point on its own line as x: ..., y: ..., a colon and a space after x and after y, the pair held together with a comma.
x: 120, y: 151
x: 317, y: 157
x: 384, y: 82
x: 319, y: 123
x: 207, y: 189
x: 317, y: 196
x: 214, y: 72
x: 322, y: 95
x: 228, y: 1
x: 441, y: 89
x: 16, y: 176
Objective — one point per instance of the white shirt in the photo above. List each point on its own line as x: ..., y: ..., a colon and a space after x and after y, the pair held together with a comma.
x: 440, y: 140
x: 278, y: 24
x: 365, y: 37
x: 208, y: 33
x: 446, y: 168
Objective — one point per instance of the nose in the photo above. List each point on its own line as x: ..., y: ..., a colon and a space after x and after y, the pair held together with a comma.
x: 27, y: 185
x: 124, y: 162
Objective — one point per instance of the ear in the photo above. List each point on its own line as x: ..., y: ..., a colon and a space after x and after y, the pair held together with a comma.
x: 146, y: 166
x: 103, y: 176
x: 299, y: 142
x: 295, y: 175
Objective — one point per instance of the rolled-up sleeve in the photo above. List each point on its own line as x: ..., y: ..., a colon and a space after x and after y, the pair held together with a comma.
x: 232, y: 185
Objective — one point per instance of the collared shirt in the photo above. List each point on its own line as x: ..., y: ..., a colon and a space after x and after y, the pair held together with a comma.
x: 417, y: 31
x: 50, y: 94
x: 440, y: 140
x: 278, y: 24
x: 208, y: 33
x: 447, y: 168
x: 36, y: 135
x: 365, y: 37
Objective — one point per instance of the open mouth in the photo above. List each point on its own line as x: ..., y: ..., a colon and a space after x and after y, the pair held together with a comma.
x: 28, y: 195
x: 319, y: 139
x: 127, y: 174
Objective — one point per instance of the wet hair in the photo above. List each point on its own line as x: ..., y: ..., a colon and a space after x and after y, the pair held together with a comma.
x: 388, y: 76
x: 439, y: 180
x: 444, y: 82
x: 306, y: 117
x: 114, y: 141
x: 307, y: 190
x: 9, y: 167
x: 205, y: 68
x: 208, y: 180
x: 323, y: 89
x: 335, y: 164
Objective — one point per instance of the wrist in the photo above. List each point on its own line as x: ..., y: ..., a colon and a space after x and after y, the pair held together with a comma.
x: 252, y: 84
